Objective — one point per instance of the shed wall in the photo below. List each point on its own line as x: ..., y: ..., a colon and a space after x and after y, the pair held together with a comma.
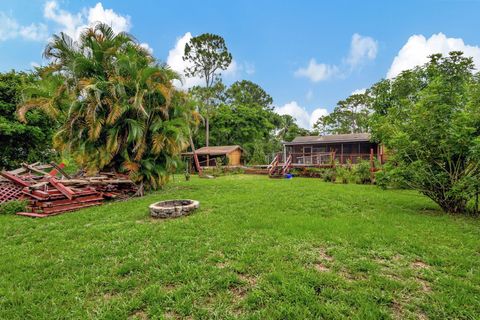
x: 234, y: 158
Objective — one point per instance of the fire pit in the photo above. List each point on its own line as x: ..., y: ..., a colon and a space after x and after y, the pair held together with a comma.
x: 173, y: 208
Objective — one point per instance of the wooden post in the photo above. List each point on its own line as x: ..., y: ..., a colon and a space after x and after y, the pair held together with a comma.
x: 195, y: 157
x: 341, y: 153
x: 372, y: 166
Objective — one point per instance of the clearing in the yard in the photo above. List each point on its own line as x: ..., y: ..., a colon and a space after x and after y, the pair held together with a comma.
x: 257, y: 248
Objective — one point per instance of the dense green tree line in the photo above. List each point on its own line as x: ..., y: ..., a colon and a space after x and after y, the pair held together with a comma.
x: 22, y: 142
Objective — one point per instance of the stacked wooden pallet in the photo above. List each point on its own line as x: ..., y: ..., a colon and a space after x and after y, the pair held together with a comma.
x: 54, y: 192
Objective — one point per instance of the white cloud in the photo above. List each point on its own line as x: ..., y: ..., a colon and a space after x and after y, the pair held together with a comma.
x: 74, y: 23
x: 233, y: 69
x: 145, y: 46
x: 316, y: 114
x: 116, y: 21
x: 361, y: 49
x: 416, y: 50
x: 317, y: 71
x: 303, y: 118
x: 34, y: 64
x: 359, y: 91
x: 11, y: 29
x: 70, y: 23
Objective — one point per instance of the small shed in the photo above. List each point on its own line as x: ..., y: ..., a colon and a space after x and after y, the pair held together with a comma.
x: 230, y: 155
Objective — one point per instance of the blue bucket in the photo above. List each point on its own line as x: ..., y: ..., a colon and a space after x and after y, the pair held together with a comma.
x: 288, y: 176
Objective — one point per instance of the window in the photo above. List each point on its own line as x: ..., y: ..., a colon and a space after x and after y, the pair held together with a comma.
x: 319, y: 149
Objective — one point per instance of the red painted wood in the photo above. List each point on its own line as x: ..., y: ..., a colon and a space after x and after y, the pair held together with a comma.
x: 70, y: 207
x: 66, y: 191
x: 15, y: 179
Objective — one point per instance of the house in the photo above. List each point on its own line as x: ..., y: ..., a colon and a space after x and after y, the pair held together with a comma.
x: 207, y: 156
x: 322, y: 150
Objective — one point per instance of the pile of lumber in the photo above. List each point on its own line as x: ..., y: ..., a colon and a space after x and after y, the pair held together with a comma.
x: 49, y: 190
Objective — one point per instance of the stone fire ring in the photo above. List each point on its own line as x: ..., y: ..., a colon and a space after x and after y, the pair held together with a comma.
x: 173, y: 208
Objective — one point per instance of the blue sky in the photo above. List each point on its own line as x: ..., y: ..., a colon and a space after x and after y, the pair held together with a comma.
x: 306, y: 54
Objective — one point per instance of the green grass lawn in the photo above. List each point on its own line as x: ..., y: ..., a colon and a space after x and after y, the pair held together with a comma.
x: 257, y: 248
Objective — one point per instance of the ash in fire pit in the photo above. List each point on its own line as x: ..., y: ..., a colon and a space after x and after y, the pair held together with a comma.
x: 173, y: 208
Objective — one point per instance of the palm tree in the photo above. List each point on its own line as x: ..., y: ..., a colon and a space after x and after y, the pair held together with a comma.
x: 123, y: 112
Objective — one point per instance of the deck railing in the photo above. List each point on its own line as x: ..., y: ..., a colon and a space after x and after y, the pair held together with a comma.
x: 323, y: 158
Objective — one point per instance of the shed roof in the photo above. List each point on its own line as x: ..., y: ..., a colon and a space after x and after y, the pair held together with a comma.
x: 217, y: 150
x: 334, y: 138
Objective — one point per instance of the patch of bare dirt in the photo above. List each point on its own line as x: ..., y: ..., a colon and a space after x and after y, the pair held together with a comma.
x: 221, y: 265
x: 139, y: 314
x: 250, y: 280
x: 424, y: 284
x: 418, y: 264
x: 320, y: 267
x: 169, y: 287
x: 397, y: 310
x: 108, y: 296
x: 349, y: 277
x: 173, y: 315
x: 324, y: 256
x: 394, y: 277
x: 240, y: 291
x: 397, y: 257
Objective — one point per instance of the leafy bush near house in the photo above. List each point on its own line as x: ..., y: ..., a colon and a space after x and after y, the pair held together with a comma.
x: 330, y: 175
x: 345, y: 174
x: 327, y: 174
x: 362, y: 172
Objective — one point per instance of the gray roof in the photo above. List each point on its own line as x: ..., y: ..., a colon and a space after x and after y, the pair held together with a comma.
x: 334, y: 138
x: 216, y: 150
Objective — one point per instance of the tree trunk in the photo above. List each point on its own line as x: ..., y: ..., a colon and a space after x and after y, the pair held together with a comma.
x: 453, y: 206
x: 207, y: 131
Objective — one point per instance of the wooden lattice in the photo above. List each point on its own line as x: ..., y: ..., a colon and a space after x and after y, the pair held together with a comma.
x: 9, y: 192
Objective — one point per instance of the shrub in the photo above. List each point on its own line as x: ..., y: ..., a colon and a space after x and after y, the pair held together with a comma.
x: 390, y: 177
x: 330, y: 175
x: 297, y: 172
x: 344, y: 174
x: 381, y: 179
x: 362, y: 172
x: 428, y: 118
x: 13, y: 207
x: 314, y: 172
